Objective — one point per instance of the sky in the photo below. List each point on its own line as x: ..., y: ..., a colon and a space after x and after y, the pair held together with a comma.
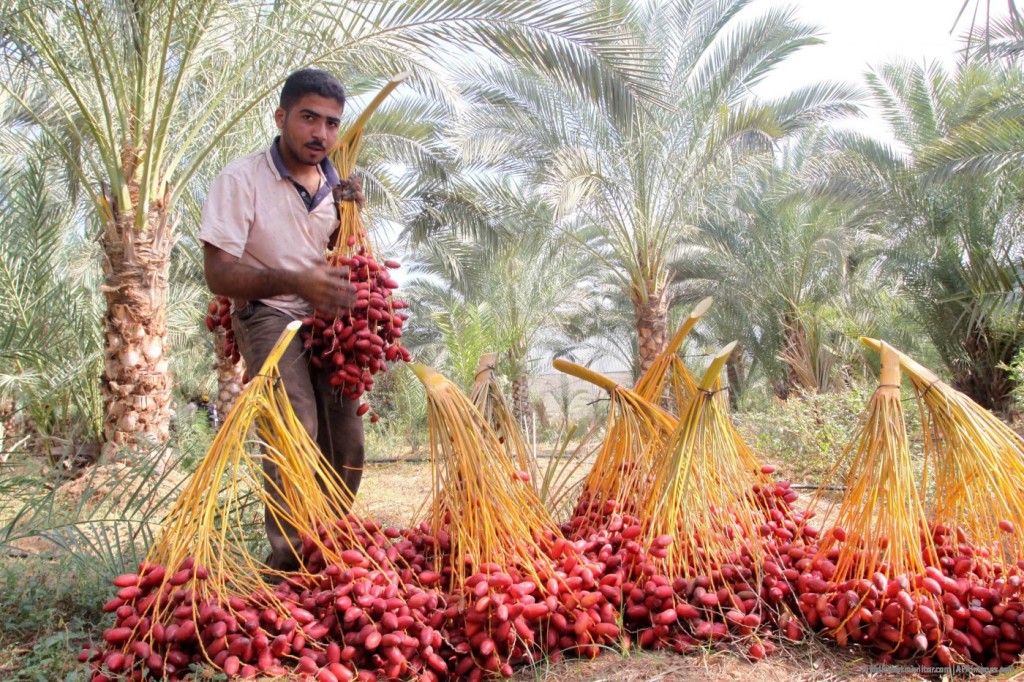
x: 863, y: 33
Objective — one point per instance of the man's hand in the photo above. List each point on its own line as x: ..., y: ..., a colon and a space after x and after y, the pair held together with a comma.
x: 327, y: 289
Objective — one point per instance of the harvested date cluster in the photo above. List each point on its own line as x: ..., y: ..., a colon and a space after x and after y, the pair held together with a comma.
x: 390, y: 609
x: 359, y: 344
x: 966, y: 608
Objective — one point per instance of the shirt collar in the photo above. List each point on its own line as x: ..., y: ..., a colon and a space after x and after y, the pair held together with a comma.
x: 274, y: 156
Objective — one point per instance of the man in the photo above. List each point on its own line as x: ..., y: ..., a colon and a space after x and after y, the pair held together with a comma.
x: 267, y: 221
x: 202, y: 404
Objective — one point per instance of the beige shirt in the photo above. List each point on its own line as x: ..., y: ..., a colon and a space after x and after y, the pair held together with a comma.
x: 254, y: 212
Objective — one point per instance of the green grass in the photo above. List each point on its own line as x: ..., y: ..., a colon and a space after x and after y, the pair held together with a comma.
x: 48, y: 610
x: 805, y: 436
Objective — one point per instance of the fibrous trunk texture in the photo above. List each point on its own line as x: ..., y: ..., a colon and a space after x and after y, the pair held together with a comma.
x: 735, y: 370
x: 136, y: 379
x: 651, y: 318
x: 797, y: 357
x: 521, y: 403
x: 229, y: 376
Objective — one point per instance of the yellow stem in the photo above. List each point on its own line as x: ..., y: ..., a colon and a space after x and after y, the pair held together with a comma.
x: 711, y: 376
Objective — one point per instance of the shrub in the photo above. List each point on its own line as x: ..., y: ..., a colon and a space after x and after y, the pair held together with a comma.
x: 806, y: 435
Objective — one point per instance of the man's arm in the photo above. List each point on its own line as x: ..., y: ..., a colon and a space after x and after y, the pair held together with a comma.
x: 325, y: 288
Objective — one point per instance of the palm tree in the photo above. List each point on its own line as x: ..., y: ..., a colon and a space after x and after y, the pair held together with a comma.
x: 783, y: 269
x: 640, y: 181
x: 446, y: 329
x: 138, y: 93
x: 995, y: 140
x: 955, y: 237
x: 514, y: 288
x: 991, y: 141
x: 50, y: 346
x: 538, y: 287
x: 1003, y: 36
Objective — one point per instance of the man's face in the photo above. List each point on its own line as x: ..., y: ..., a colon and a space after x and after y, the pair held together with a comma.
x: 310, y: 127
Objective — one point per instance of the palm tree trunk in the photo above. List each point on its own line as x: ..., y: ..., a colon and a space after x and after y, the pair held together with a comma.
x: 735, y: 370
x: 651, y: 319
x: 521, y: 403
x: 136, y: 379
x: 797, y: 357
x: 229, y: 375
x: 982, y: 378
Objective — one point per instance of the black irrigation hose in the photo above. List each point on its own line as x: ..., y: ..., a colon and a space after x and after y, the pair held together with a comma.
x: 811, y: 486
x: 421, y: 460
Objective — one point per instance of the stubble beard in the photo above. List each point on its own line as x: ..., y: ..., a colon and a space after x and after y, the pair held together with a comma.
x: 299, y: 153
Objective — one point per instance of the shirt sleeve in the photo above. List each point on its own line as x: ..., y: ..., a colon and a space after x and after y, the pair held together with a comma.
x: 228, y: 213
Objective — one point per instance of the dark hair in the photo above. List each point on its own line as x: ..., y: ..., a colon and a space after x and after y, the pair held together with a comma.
x: 311, y: 82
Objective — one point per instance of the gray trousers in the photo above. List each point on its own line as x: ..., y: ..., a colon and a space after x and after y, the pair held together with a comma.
x: 329, y: 418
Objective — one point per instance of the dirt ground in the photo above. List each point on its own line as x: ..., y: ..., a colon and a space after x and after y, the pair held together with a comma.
x: 393, y: 493
x: 812, y: 661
